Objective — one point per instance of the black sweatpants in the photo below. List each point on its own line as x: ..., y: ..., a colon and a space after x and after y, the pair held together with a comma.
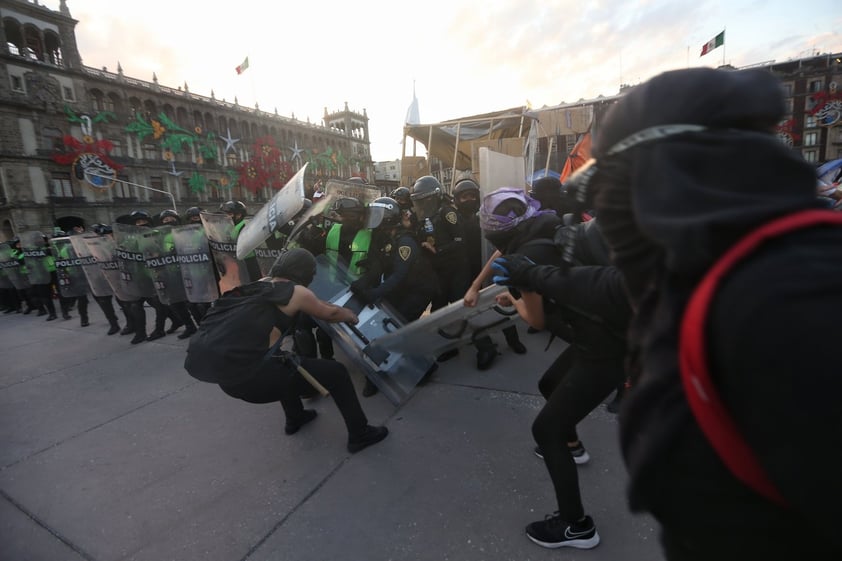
x: 276, y: 381
x: 574, y: 385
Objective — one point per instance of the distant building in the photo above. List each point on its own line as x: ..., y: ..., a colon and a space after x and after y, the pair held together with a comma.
x: 388, y: 175
x: 81, y: 142
x: 812, y: 126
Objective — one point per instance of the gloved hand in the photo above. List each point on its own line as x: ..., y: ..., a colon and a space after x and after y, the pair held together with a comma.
x: 512, y: 270
x: 362, y: 292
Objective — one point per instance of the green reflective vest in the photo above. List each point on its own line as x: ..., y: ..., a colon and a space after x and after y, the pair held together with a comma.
x: 359, y: 247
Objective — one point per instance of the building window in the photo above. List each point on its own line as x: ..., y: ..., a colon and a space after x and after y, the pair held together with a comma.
x: 787, y: 89
x: 787, y: 106
x: 157, y: 182
x: 150, y: 152
x: 116, y: 148
x: 811, y: 156
x: 17, y: 84
x: 52, y: 140
x: 811, y: 138
x: 122, y: 190
x: 809, y: 121
x: 61, y: 186
x: 815, y: 86
x: 67, y: 92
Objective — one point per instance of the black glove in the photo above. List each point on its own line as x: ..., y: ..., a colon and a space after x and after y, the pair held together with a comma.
x: 512, y: 270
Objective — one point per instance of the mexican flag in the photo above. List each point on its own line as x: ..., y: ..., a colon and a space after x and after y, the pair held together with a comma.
x: 242, y: 68
x: 717, y: 41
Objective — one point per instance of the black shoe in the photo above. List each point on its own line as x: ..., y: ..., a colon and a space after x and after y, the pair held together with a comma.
x: 371, y: 435
x: 51, y: 317
x: 157, y: 334
x: 175, y: 326
x: 447, y: 355
x: 138, y: 338
x: 187, y: 333
x: 485, y: 358
x: 127, y: 331
x: 516, y: 345
x: 114, y: 329
x: 580, y: 455
x: 369, y: 389
x: 66, y: 316
x: 292, y: 426
x: 553, y: 532
x: 40, y: 313
x: 84, y: 322
x: 27, y: 311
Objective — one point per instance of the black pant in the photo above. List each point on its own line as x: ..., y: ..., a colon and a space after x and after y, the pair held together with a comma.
x: 453, y: 280
x: 106, y: 304
x: 574, y: 385
x: 276, y: 381
x: 308, y: 335
x: 138, y: 314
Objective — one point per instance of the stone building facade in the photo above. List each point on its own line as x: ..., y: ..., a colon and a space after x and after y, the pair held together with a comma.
x: 85, y: 144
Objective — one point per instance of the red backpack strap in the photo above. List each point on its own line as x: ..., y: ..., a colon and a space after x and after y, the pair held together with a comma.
x: 716, y: 423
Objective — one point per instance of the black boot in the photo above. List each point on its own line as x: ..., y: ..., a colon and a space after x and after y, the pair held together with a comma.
x: 115, y: 327
x: 513, y: 340
x: 369, y: 389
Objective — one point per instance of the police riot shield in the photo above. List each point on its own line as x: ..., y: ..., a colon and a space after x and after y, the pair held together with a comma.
x: 11, y: 268
x: 134, y: 277
x: 5, y: 283
x: 71, y: 278
x: 36, y: 256
x: 276, y: 213
x: 222, y: 241
x: 266, y: 257
x: 194, y: 258
x: 104, y: 250
x: 162, y: 265
x: 394, y: 373
x: 91, y: 267
x: 450, y: 327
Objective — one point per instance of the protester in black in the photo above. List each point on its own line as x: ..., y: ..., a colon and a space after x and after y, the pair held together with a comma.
x: 686, y: 165
x: 588, y: 308
x: 232, y: 348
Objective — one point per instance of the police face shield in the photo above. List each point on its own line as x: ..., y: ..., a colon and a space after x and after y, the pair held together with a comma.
x: 352, y: 218
x: 376, y: 212
x: 425, y: 207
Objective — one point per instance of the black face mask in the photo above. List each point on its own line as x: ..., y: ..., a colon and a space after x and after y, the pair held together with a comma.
x: 471, y: 206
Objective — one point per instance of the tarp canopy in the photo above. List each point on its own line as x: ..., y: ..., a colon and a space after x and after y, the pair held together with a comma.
x: 440, y: 139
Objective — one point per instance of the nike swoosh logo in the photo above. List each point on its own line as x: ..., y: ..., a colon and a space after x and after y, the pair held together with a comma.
x: 573, y: 535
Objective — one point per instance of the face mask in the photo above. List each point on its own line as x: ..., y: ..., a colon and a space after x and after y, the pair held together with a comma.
x: 471, y: 206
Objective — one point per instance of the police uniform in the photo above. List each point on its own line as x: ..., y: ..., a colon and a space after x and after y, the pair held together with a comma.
x: 444, y: 231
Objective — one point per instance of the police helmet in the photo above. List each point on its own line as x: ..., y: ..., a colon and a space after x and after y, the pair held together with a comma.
x: 140, y: 215
x: 192, y: 212
x: 402, y: 195
x: 169, y: 213
x: 357, y: 179
x: 426, y: 186
x: 101, y: 229
x: 383, y: 212
x: 465, y: 185
x: 344, y: 205
x: 233, y: 207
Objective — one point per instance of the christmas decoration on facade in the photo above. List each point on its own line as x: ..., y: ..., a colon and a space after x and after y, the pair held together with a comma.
x: 827, y: 106
x: 266, y: 168
x: 786, y: 132
x: 89, y: 158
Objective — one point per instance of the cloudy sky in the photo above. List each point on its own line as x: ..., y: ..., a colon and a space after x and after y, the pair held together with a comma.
x: 463, y: 57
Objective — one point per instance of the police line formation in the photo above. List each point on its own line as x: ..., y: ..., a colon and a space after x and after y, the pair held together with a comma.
x: 649, y: 261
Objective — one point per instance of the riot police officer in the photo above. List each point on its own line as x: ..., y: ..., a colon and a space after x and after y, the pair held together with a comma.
x: 348, y: 240
x: 442, y: 235
x: 237, y: 211
x: 179, y: 312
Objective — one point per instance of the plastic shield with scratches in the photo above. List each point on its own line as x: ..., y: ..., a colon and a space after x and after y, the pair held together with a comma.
x: 72, y: 282
x: 91, y: 267
x: 104, y: 250
x: 280, y: 209
x: 196, y: 263
x: 451, y: 327
x: 163, y: 266
x: 35, y: 257
x: 222, y: 241
x: 11, y: 268
x: 394, y: 373
x: 135, y: 278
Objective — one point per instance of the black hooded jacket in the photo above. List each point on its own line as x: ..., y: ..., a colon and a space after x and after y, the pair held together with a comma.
x: 668, y: 210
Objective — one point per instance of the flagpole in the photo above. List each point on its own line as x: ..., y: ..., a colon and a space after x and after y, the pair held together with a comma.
x: 724, y: 46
